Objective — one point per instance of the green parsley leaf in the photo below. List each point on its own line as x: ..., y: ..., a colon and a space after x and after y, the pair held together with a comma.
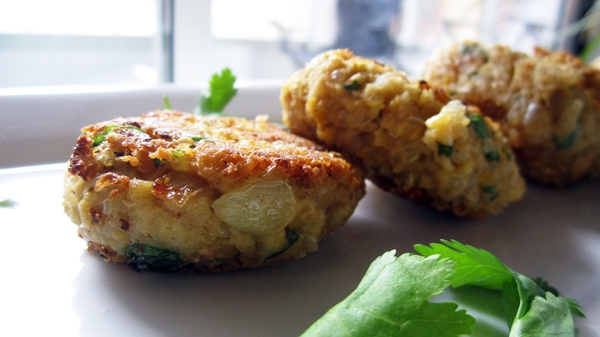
x: 393, y: 300
x: 221, y: 92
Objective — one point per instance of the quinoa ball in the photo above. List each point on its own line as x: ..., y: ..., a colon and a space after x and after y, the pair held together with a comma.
x: 410, y: 138
x: 547, y: 105
x: 174, y: 191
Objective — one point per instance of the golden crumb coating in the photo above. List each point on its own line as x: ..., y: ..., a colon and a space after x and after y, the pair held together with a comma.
x: 170, y: 191
x: 410, y: 138
x: 547, y: 105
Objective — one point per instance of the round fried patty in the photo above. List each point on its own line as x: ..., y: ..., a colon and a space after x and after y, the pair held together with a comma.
x: 171, y: 190
x: 409, y: 137
x: 547, y: 105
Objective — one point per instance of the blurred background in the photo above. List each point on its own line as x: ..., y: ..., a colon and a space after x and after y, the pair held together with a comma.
x: 124, y: 42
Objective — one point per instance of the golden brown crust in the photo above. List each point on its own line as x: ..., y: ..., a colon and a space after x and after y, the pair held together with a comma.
x: 164, y: 139
x: 82, y: 163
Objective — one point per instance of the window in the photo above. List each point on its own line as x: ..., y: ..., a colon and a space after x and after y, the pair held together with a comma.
x: 70, y: 42
x: 74, y: 42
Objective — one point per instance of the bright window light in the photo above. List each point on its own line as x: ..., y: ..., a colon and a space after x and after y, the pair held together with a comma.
x: 267, y: 20
x: 79, y: 17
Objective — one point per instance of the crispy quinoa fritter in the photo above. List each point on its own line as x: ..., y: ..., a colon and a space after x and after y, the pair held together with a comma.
x: 547, y: 105
x: 171, y: 191
x: 409, y: 137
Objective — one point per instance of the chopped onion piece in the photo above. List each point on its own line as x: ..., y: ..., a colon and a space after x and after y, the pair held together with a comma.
x: 260, y: 208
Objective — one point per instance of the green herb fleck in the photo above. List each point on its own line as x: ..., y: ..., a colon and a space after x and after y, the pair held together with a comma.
x: 466, y: 48
x: 99, y: 138
x: 472, y: 48
x: 508, y: 154
x: 492, y: 156
x: 491, y: 190
x: 145, y: 257
x: 166, y: 102
x: 352, y: 86
x: 291, y: 237
x: 7, y: 203
x: 221, y: 92
x: 177, y: 153
x: 445, y: 150
x: 156, y: 162
x: 567, y: 141
x: 198, y: 138
x: 477, y: 123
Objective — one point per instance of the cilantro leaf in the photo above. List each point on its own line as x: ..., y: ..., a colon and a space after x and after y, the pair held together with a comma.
x: 393, y: 297
x: 221, y: 92
x: 393, y: 300
x: 546, y: 318
x: 534, y: 307
x: 473, y: 266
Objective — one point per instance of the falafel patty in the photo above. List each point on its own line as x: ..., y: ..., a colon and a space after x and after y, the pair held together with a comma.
x: 171, y: 191
x: 409, y: 137
x: 547, y: 105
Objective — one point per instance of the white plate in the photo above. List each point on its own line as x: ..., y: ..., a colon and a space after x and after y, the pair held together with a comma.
x: 52, y: 284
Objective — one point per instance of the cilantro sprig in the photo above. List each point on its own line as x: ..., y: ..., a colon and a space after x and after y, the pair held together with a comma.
x: 393, y: 297
x: 393, y: 300
x: 221, y: 92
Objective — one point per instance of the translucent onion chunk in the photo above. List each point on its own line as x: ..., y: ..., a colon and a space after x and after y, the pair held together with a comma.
x: 262, y: 207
